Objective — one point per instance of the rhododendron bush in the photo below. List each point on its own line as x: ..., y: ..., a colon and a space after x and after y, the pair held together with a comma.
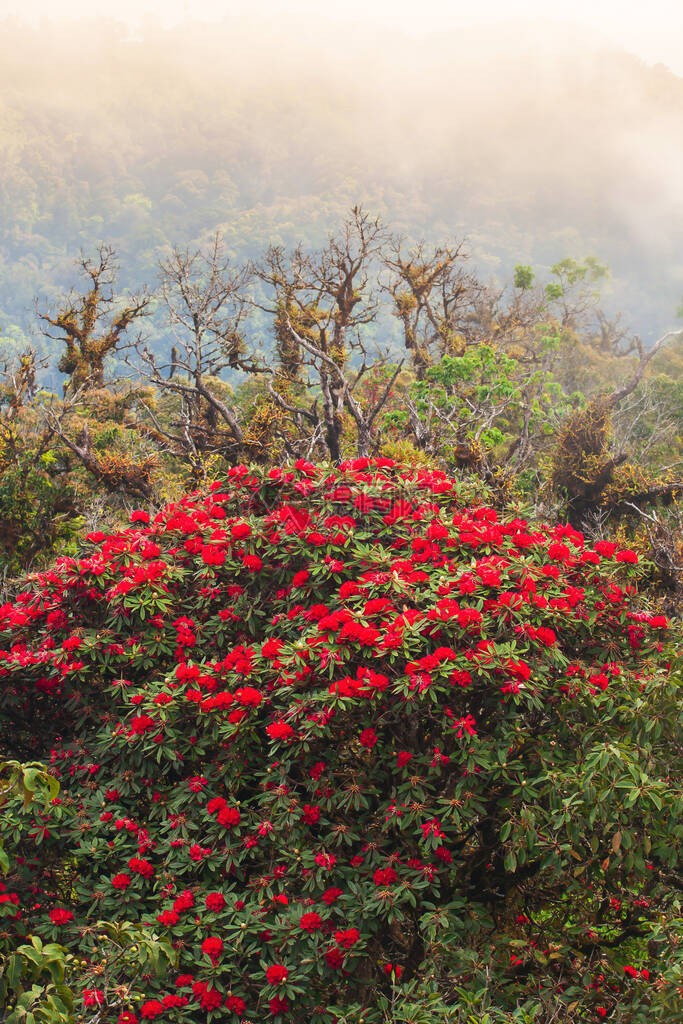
x: 345, y: 743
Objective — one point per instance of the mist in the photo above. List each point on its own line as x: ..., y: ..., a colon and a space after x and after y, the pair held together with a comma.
x: 529, y: 142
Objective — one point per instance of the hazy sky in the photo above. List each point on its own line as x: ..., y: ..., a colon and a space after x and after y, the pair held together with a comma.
x: 653, y: 30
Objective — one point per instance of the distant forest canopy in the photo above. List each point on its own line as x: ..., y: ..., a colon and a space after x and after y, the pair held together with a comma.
x: 151, y: 142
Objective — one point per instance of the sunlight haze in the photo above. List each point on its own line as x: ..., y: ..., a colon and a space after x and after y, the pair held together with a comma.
x: 148, y: 124
x: 653, y: 31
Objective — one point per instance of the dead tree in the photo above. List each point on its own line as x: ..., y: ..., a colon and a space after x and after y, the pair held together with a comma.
x: 206, y: 305
x: 18, y: 382
x: 322, y: 304
x: 434, y: 298
x: 94, y: 324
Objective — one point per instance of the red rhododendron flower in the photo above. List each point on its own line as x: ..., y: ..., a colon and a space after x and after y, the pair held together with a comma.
x: 59, y: 916
x: 280, y: 731
x: 151, y: 1009
x: 311, y: 814
x: 93, y: 997
x: 215, y: 901
x: 276, y: 974
x: 216, y: 803
x: 184, y: 901
x: 229, y: 816
x: 168, y: 918
x: 196, y: 784
x: 141, y: 867
x: 271, y: 648
x: 236, y: 1004
x: 334, y: 958
x: 253, y: 563
x: 464, y: 726
x: 209, y: 998
x: 278, y: 1005
x: 173, y: 1001
x: 347, y: 939
x: 249, y: 696
x: 239, y: 531
x: 368, y: 738
x: 121, y: 881
x: 310, y: 922
x: 546, y: 636
x: 213, y: 555
x: 213, y: 947
x: 141, y: 724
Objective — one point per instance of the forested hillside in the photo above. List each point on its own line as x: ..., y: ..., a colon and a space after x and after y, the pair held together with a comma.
x: 144, y: 143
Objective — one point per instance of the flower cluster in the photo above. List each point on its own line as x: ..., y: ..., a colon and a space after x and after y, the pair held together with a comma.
x: 322, y: 726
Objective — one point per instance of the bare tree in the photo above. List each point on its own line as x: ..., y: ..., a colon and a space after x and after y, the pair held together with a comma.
x: 644, y: 358
x: 206, y: 304
x: 93, y: 324
x: 18, y: 382
x: 434, y: 298
x: 322, y: 304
